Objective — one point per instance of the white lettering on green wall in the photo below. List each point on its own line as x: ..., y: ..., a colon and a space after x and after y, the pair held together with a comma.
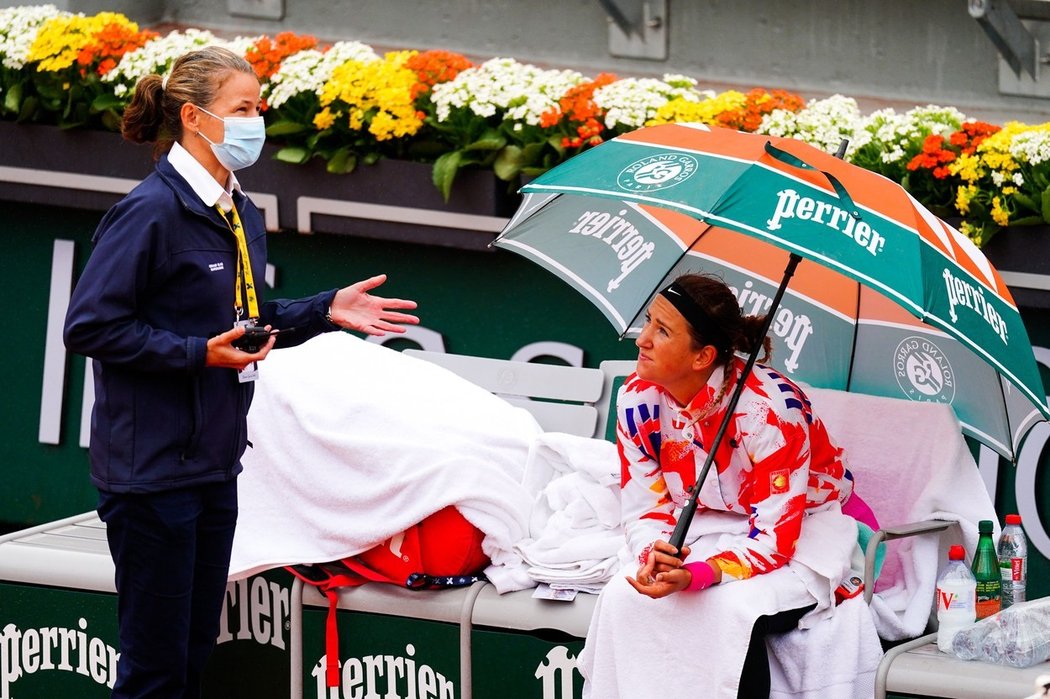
x: 384, y: 677
x: 254, y: 609
x: 54, y: 649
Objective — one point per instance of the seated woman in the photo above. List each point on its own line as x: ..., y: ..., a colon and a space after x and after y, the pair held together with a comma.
x: 769, y: 512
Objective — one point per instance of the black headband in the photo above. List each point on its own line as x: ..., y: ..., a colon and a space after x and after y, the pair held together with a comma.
x: 702, y: 322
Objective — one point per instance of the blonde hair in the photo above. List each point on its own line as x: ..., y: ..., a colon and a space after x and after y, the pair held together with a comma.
x: 154, y: 114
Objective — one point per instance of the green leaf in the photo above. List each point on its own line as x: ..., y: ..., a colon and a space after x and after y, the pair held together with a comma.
x: 29, y: 108
x: 555, y: 143
x: 285, y: 127
x: 532, y: 152
x: 342, y: 162
x: 1027, y: 221
x: 1027, y: 202
x: 1046, y: 205
x: 13, y: 99
x: 292, y: 154
x: 508, y: 163
x: 490, y: 140
x: 111, y: 120
x: 444, y: 173
x: 106, y: 101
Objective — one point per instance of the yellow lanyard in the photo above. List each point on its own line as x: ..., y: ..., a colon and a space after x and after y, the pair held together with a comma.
x: 244, y: 267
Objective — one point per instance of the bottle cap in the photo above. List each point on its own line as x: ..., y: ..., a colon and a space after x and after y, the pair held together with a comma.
x: 985, y: 526
x: 1013, y: 519
x: 956, y: 553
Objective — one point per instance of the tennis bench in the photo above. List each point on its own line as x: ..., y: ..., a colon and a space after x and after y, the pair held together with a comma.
x: 580, y: 401
x: 71, y: 554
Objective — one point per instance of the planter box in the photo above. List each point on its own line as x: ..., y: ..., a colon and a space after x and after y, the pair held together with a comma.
x: 391, y: 200
x: 1022, y: 256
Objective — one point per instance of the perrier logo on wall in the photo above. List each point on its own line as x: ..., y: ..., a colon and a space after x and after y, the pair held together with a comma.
x: 54, y: 649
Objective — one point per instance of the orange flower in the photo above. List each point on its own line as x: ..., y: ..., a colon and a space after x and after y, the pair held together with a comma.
x: 108, y: 46
x: 266, y: 54
x: 971, y: 135
x: 933, y: 157
x: 757, y: 104
x: 433, y: 67
x: 578, y: 113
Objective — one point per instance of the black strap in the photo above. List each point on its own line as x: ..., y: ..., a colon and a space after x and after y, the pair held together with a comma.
x: 788, y: 159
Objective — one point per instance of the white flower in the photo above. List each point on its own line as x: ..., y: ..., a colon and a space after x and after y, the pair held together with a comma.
x: 18, y: 29
x: 309, y: 70
x: 676, y: 80
x: 894, y: 134
x: 1031, y: 147
x: 159, y: 55
x: 633, y: 101
x: 516, y: 91
x: 821, y: 123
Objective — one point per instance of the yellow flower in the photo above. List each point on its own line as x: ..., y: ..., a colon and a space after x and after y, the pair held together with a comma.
x: 324, y: 119
x: 963, y: 196
x: 706, y: 111
x: 999, y: 213
x: 967, y: 167
x: 971, y: 231
x: 376, y: 95
x: 59, y: 40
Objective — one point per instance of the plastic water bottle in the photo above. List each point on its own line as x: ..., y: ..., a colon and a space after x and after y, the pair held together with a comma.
x: 986, y: 570
x: 1013, y: 561
x: 956, y: 597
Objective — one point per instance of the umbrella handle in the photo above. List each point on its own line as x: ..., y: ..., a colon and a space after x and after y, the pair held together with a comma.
x: 789, y: 159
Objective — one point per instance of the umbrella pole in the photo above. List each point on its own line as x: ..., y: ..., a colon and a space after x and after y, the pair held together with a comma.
x: 686, y: 515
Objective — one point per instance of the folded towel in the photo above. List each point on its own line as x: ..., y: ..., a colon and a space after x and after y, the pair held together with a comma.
x: 574, y: 528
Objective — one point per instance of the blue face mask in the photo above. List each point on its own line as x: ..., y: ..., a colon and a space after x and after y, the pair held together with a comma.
x: 242, y: 141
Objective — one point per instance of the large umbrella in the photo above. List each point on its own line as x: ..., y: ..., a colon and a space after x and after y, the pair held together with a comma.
x: 895, y: 302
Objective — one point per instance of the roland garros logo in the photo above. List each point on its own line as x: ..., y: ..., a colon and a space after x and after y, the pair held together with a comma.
x: 923, y: 371
x: 657, y: 172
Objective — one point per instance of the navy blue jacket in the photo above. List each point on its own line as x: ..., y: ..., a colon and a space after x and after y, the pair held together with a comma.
x: 159, y: 283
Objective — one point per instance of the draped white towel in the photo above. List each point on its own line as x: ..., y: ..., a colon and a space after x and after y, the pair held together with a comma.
x: 354, y: 443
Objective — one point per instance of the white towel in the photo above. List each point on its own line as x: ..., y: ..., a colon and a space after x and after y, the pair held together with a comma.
x: 703, y: 636
x: 835, y: 659
x: 911, y: 464
x: 574, y: 528
x: 354, y: 443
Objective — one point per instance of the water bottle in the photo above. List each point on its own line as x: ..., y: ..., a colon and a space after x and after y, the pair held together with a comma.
x: 956, y: 597
x: 986, y: 570
x: 1013, y: 561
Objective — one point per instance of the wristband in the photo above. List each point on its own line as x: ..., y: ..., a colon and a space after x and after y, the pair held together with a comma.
x: 703, y: 575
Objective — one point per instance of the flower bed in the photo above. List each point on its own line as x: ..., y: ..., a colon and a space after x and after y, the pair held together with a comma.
x: 344, y: 105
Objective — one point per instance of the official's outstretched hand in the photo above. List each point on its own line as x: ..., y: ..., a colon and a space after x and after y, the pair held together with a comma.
x: 356, y: 309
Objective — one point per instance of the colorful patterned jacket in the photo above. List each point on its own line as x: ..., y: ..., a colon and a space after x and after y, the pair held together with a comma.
x: 775, y: 462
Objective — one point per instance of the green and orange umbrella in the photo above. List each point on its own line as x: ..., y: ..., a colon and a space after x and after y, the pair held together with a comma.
x: 889, y: 300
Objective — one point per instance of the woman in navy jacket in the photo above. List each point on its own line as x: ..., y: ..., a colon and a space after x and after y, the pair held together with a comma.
x: 160, y: 307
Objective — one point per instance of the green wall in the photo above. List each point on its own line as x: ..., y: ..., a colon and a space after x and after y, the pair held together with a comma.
x: 483, y: 303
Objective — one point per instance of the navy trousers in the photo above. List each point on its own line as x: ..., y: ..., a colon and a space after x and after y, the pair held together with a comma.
x: 172, y: 556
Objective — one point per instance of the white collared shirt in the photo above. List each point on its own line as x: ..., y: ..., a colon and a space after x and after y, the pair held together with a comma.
x: 201, y: 181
